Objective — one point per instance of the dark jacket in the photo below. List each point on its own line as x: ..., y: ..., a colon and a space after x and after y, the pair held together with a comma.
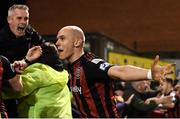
x: 16, y: 48
x: 137, y: 108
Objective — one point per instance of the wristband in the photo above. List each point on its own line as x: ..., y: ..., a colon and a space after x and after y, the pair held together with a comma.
x: 149, y: 74
x: 27, y: 61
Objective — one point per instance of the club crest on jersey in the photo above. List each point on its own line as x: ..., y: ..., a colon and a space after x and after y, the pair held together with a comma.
x: 104, y: 66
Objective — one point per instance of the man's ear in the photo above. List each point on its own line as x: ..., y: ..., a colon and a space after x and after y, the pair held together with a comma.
x: 77, y: 42
x: 9, y: 19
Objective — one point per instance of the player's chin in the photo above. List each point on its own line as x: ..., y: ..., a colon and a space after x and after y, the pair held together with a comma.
x: 61, y: 56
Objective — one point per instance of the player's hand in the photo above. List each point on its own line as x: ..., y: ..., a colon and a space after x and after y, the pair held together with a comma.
x: 160, y: 72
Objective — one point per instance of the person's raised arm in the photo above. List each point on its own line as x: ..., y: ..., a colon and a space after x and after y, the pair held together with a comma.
x: 129, y: 72
x: 32, y: 54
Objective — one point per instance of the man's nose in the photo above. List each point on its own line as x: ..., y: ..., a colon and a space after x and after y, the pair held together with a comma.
x: 58, y: 43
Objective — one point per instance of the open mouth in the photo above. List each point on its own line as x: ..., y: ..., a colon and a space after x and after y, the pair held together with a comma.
x: 60, y: 50
x: 21, y: 28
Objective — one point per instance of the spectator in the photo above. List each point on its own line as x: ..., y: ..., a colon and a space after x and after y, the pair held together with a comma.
x: 18, y: 36
x: 142, y: 103
x: 119, y: 101
x: 42, y: 87
x: 177, y: 87
x: 15, y: 39
x: 167, y: 88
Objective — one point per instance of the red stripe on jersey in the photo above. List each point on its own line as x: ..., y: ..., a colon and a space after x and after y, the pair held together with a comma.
x: 90, y: 90
x: 88, y: 96
x: 85, y: 92
x: 100, y: 90
x: 80, y: 105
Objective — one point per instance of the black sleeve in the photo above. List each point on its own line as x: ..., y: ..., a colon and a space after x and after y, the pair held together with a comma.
x: 140, y: 105
x: 101, y: 64
x: 36, y: 39
x: 137, y: 102
x: 8, y: 70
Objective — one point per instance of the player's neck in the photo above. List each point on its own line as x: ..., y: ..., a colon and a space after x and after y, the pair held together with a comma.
x: 76, y: 56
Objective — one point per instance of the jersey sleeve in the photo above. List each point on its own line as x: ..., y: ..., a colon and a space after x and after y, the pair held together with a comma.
x: 102, y: 64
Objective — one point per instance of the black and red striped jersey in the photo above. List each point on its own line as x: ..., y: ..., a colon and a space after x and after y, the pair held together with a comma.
x: 92, y: 87
x: 3, y: 113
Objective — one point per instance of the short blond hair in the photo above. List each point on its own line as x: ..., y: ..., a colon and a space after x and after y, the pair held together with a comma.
x: 17, y: 6
x: 77, y: 31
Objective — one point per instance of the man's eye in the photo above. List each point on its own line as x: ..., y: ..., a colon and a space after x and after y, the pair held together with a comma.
x: 62, y: 38
x: 26, y: 18
x: 19, y: 18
